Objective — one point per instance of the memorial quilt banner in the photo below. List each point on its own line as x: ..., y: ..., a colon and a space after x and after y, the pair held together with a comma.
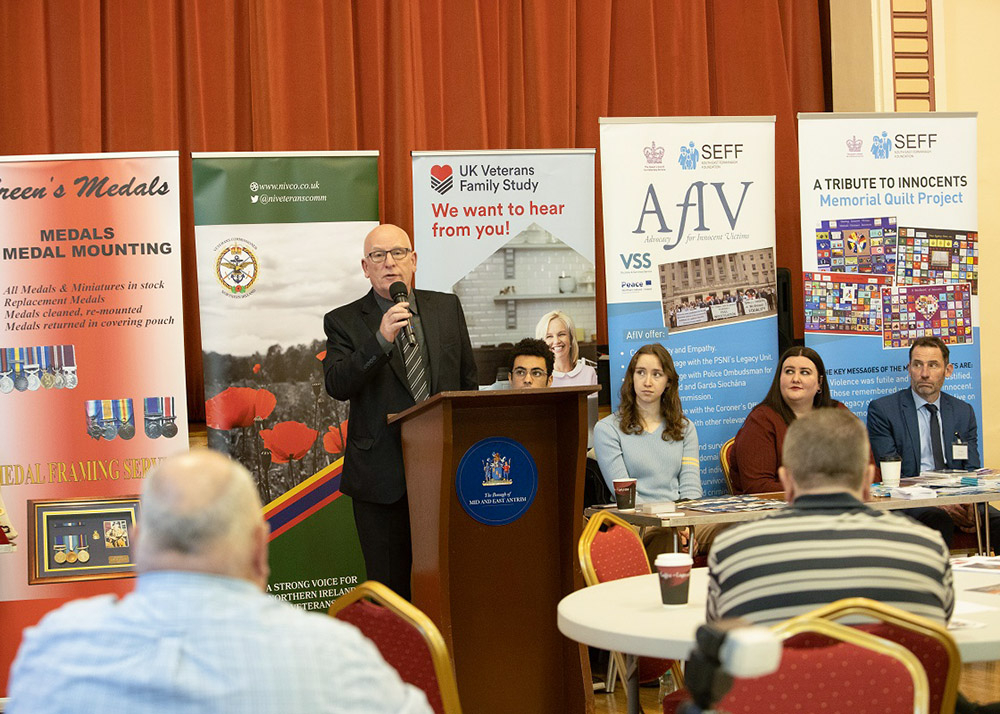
x: 690, y: 262
x: 279, y: 242
x: 890, y: 248
x: 511, y: 233
x: 92, y: 329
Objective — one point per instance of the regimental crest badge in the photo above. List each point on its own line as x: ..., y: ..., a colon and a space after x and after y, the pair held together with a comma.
x: 496, y: 470
x: 236, y: 267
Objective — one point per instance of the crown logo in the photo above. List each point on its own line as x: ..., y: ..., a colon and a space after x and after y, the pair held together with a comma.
x: 496, y: 470
x: 854, y: 144
x: 654, y: 154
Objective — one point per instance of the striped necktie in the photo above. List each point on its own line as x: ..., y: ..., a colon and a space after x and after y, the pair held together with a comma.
x: 416, y: 375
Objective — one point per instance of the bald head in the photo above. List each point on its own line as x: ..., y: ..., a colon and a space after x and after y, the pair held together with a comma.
x: 200, y: 511
x: 383, y: 269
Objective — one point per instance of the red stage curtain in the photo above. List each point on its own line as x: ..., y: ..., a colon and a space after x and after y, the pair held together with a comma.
x: 397, y: 76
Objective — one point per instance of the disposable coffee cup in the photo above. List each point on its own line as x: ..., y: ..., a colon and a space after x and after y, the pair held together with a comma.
x: 625, y: 493
x: 675, y: 576
x: 890, y: 466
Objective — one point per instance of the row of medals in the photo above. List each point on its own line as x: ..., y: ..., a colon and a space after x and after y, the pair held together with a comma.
x: 81, y: 554
x: 36, y: 378
x: 110, y: 428
x: 155, y: 427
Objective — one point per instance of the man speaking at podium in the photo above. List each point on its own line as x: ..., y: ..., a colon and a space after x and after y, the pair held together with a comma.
x: 384, y: 353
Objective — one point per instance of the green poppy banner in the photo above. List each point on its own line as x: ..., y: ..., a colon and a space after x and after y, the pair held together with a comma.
x: 279, y: 240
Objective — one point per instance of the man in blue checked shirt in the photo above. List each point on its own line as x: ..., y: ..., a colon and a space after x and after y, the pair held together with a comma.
x: 198, y: 634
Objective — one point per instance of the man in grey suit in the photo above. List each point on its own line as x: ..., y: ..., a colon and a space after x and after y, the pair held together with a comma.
x: 372, y: 361
x: 928, y: 429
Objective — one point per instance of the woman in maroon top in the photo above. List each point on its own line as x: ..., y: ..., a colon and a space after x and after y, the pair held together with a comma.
x: 798, y: 387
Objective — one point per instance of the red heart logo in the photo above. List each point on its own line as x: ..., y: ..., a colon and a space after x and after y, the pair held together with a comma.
x: 440, y: 172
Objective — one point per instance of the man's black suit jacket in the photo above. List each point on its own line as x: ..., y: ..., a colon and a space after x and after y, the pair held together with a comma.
x: 358, y: 369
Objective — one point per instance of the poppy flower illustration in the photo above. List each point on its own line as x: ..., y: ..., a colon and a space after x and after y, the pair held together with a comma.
x: 335, y: 440
x: 256, y: 368
x: 288, y: 441
x: 321, y: 356
x: 237, y: 406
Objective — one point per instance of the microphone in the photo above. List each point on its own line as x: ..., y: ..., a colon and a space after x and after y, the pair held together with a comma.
x: 399, y: 293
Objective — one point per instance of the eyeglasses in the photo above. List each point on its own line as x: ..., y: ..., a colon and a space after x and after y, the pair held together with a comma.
x: 378, y: 256
x: 537, y: 372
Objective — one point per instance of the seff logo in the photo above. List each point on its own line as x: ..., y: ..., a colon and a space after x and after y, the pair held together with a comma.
x: 441, y: 178
x: 881, y: 146
x: 689, y: 156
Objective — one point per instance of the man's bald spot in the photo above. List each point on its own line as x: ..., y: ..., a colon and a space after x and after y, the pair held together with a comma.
x: 195, y: 503
x: 387, y: 236
x: 191, y: 482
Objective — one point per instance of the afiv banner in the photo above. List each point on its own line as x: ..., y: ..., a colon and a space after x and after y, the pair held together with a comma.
x: 690, y: 262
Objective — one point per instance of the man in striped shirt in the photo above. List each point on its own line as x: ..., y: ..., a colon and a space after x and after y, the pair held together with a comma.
x: 827, y: 545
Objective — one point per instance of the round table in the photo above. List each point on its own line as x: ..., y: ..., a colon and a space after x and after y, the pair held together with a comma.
x: 627, y: 616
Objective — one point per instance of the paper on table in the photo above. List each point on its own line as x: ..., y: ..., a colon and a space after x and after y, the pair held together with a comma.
x: 993, y: 589
x: 976, y: 563
x: 964, y: 607
x: 911, y: 492
x: 959, y: 624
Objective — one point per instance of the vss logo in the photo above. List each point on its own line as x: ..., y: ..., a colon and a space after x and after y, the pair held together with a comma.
x: 689, y: 157
x: 635, y: 260
x: 881, y: 146
x: 441, y: 178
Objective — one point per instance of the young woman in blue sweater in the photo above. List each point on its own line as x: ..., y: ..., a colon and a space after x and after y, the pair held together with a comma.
x: 649, y: 438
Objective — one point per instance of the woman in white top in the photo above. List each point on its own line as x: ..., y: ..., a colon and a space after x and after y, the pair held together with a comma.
x: 559, y: 333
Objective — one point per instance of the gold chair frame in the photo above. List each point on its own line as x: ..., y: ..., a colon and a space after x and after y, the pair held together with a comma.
x: 843, y: 633
x: 440, y: 658
x: 726, y: 461
x: 863, y: 607
x: 587, y: 537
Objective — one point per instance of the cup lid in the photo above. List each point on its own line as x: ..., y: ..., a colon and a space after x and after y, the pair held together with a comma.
x: 673, y: 559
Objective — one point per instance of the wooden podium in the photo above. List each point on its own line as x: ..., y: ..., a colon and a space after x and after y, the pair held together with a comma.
x: 493, y: 590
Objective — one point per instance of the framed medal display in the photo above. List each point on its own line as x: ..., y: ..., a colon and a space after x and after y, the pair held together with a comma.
x: 81, y: 539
